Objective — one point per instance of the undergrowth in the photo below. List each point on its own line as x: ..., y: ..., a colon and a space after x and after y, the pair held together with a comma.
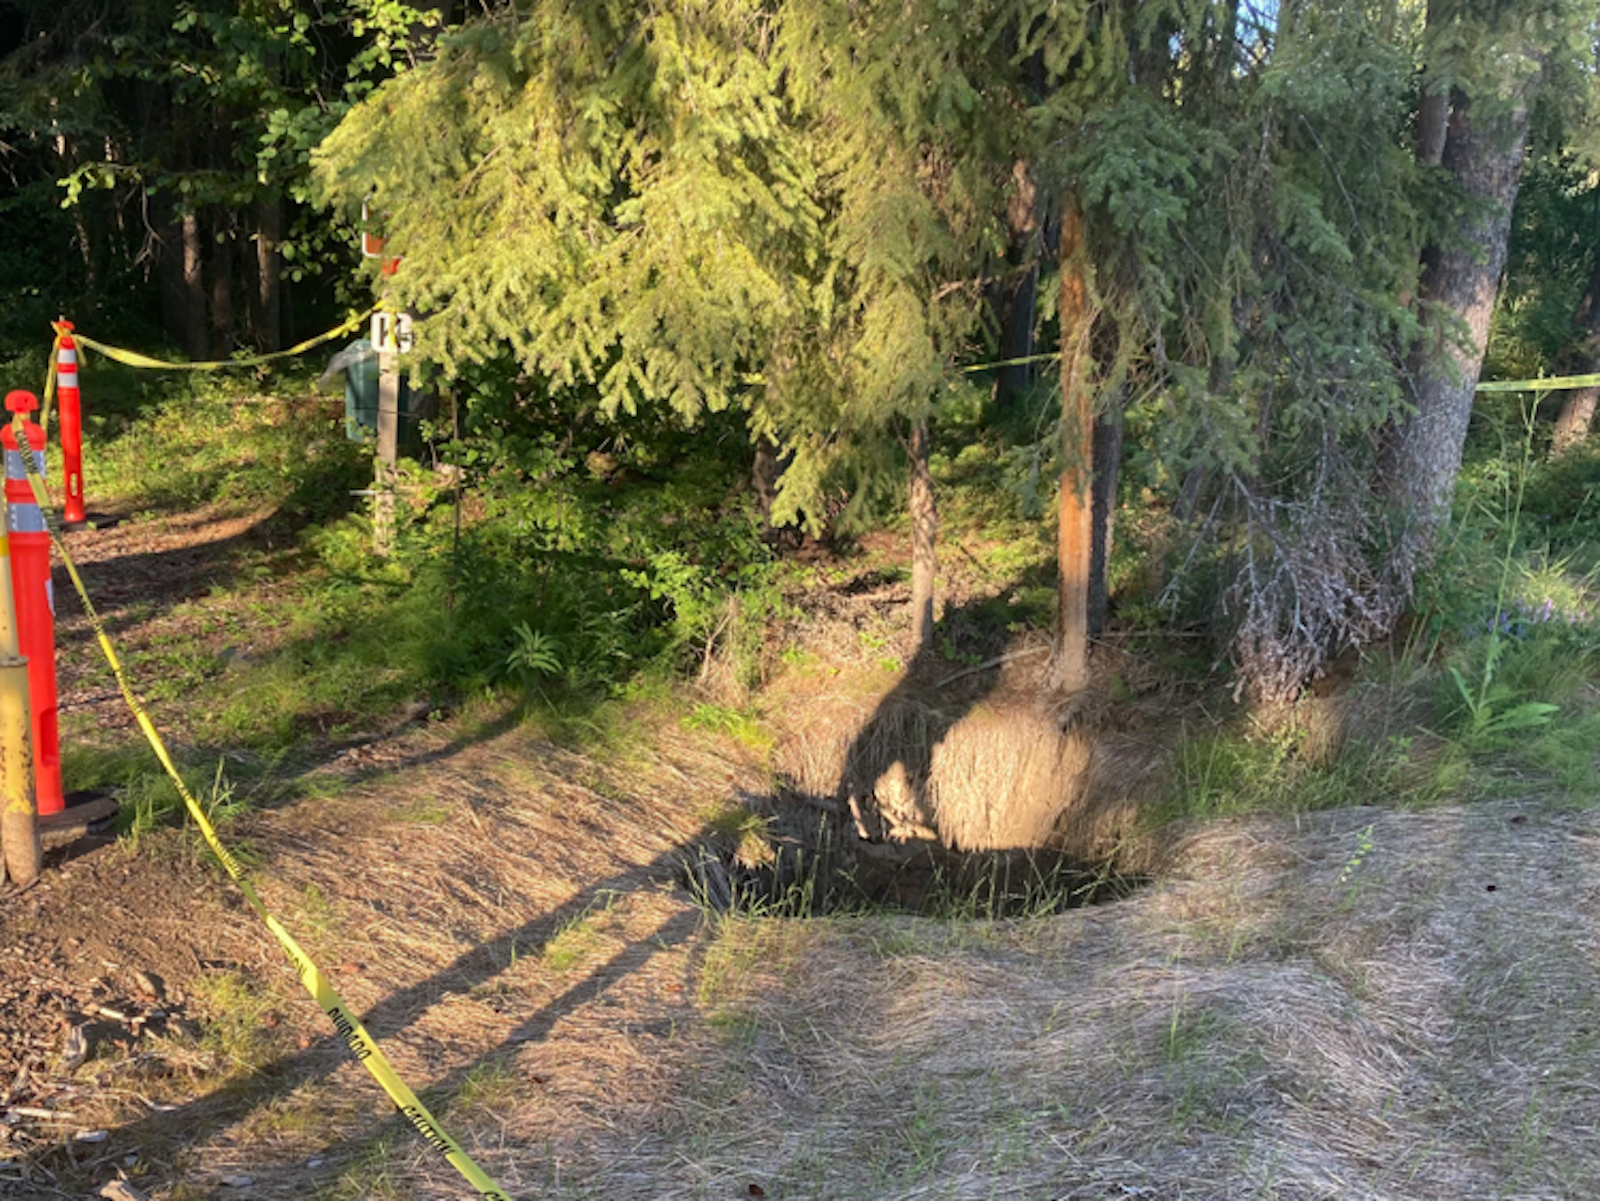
x: 1501, y: 649
x: 552, y: 569
x: 576, y: 567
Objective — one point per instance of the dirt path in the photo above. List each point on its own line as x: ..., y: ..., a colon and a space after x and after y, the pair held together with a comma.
x: 203, y: 580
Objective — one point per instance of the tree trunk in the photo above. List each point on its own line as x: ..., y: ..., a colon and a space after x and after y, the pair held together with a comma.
x: 194, y: 289
x: 1459, y: 281
x: 1433, y: 120
x: 286, y: 310
x: 1069, y: 670
x: 1577, y: 409
x: 222, y: 284
x: 266, y: 306
x: 90, y: 299
x: 924, y: 537
x: 1107, y: 469
x: 1576, y: 417
x: 1018, y: 294
x: 168, y: 265
x: 764, y: 475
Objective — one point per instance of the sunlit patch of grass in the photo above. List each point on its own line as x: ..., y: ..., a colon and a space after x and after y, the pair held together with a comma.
x: 1233, y: 770
x: 370, y: 1178
x: 745, y: 829
x: 425, y: 812
x: 745, y: 728
x: 489, y: 1086
x: 579, y: 937
x: 240, y: 1022
x: 318, y: 910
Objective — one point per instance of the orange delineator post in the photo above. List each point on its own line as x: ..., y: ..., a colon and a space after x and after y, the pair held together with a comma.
x: 19, y: 814
x: 67, y: 396
x: 35, y: 604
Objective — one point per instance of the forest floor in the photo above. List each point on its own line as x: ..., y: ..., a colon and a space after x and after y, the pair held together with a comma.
x: 1357, y: 1002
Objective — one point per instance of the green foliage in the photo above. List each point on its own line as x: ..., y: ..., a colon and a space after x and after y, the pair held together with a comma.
x: 1230, y: 771
x: 697, y: 208
x: 746, y: 728
x: 204, y: 438
x: 585, y: 556
x: 138, y: 132
x: 535, y: 654
x: 149, y: 801
x: 1548, y: 263
x: 280, y: 72
x: 625, y: 213
x: 639, y: 239
x: 1253, y: 243
x: 237, y: 1030
x: 1490, y: 707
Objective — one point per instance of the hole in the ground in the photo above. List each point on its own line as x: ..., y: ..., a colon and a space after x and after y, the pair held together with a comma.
x: 809, y: 868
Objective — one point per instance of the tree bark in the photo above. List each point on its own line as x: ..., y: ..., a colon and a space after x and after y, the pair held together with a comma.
x: 266, y: 305
x: 222, y: 283
x: 1069, y: 670
x: 194, y: 289
x: 1433, y: 119
x: 167, y: 240
x: 924, y: 538
x: 1017, y: 299
x: 1576, y: 417
x: 765, y: 472
x: 1107, y: 469
x: 1458, y: 285
x: 1577, y: 409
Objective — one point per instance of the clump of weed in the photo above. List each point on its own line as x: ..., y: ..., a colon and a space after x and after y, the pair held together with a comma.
x: 743, y: 727
x: 489, y: 1086
x: 242, y: 1018
x: 1244, y: 766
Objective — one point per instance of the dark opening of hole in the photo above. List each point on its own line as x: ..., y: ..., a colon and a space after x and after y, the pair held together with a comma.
x: 759, y: 872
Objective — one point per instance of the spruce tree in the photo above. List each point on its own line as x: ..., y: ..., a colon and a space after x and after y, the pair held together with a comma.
x: 1249, y: 212
x: 1484, y: 65
x: 785, y: 208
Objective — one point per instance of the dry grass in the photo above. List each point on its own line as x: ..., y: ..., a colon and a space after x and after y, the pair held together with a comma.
x: 1330, y: 1006
x: 1339, y: 1011
x: 976, y: 772
x: 981, y: 763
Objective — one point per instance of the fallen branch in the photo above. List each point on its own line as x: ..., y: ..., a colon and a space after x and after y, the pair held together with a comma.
x: 995, y: 662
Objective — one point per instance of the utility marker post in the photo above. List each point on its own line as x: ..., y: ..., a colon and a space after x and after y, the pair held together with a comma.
x: 391, y: 334
x: 388, y: 451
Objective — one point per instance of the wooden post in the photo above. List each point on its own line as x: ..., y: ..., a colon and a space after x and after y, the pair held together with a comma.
x: 388, y: 449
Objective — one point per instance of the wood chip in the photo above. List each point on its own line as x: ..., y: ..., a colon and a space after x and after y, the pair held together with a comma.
x: 74, y: 1048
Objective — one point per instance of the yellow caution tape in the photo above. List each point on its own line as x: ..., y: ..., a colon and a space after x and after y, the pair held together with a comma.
x: 1553, y: 383
x: 50, y: 384
x: 131, y: 358
x: 1022, y: 362
x: 349, y: 1028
